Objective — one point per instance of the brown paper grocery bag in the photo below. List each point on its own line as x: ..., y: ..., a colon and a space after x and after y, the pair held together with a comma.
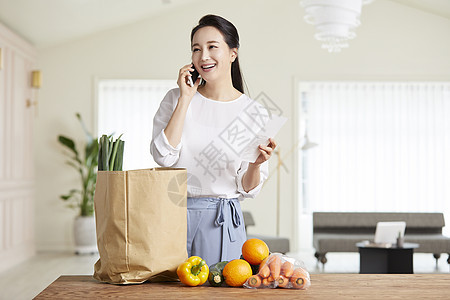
x: 141, y: 224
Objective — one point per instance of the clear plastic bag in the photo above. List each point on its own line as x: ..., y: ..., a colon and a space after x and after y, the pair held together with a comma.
x: 279, y: 270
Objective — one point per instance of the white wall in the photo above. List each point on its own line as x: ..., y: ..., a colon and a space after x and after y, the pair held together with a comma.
x: 277, y: 47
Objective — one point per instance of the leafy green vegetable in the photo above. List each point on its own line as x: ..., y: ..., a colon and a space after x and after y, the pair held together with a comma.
x: 110, y: 155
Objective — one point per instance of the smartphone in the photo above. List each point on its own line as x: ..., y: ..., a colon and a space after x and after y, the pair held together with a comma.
x: 194, y: 77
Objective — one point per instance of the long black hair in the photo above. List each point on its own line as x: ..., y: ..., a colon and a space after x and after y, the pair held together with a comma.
x: 231, y: 37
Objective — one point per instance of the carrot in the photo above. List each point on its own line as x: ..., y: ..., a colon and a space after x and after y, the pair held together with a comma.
x: 265, y: 282
x: 263, y: 263
x: 270, y: 279
x: 299, y: 282
x: 282, y: 281
x: 287, y: 269
x: 299, y: 279
x: 264, y: 272
x: 275, y: 266
x: 254, y: 281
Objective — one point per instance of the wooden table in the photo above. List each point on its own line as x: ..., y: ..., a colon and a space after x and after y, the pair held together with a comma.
x: 323, y: 286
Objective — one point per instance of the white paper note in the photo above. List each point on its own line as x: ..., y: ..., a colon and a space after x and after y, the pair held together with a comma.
x: 270, y: 130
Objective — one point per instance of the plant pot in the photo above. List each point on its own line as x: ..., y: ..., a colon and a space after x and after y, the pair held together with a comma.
x: 85, y: 237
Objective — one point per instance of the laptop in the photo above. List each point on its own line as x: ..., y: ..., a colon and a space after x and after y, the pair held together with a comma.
x: 387, y: 232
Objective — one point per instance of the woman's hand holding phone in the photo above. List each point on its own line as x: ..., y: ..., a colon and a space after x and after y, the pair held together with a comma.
x: 184, y: 78
x: 174, y: 128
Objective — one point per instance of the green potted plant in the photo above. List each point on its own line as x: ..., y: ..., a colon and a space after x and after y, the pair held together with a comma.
x: 85, y: 161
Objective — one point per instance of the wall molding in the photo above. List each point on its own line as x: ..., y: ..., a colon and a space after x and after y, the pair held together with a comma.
x: 17, y: 190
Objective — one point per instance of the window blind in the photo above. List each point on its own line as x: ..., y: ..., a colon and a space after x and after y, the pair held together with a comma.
x: 383, y: 146
x: 128, y: 107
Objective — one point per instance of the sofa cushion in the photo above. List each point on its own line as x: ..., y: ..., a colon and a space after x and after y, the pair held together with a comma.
x: 428, y: 243
x: 325, y: 242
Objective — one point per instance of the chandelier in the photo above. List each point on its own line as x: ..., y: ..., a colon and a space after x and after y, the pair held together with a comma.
x: 335, y: 21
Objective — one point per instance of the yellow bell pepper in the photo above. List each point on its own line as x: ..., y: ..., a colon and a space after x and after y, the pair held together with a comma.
x: 194, y: 271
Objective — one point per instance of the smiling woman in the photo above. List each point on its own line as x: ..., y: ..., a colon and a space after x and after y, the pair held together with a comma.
x: 225, y: 41
x: 206, y: 128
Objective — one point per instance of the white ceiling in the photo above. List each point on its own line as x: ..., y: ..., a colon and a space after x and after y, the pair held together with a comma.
x: 49, y: 22
x: 437, y: 7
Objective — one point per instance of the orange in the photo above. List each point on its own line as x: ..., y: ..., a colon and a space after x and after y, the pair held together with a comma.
x: 236, y: 272
x: 254, y: 251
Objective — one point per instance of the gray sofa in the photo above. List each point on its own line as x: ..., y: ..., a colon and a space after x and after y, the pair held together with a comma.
x: 339, y: 232
x: 276, y: 244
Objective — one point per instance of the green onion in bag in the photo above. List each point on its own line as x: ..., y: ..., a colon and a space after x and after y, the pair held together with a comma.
x: 110, y: 154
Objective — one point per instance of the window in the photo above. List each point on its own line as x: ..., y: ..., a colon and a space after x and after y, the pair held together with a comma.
x: 382, y: 146
x: 128, y: 107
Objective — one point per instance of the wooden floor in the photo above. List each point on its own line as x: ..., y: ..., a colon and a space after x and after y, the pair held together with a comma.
x: 28, y: 279
x: 323, y: 286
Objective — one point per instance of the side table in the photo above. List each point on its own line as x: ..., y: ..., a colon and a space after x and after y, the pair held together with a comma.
x: 376, y: 259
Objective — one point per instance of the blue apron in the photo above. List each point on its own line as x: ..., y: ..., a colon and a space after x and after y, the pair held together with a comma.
x: 216, y: 230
